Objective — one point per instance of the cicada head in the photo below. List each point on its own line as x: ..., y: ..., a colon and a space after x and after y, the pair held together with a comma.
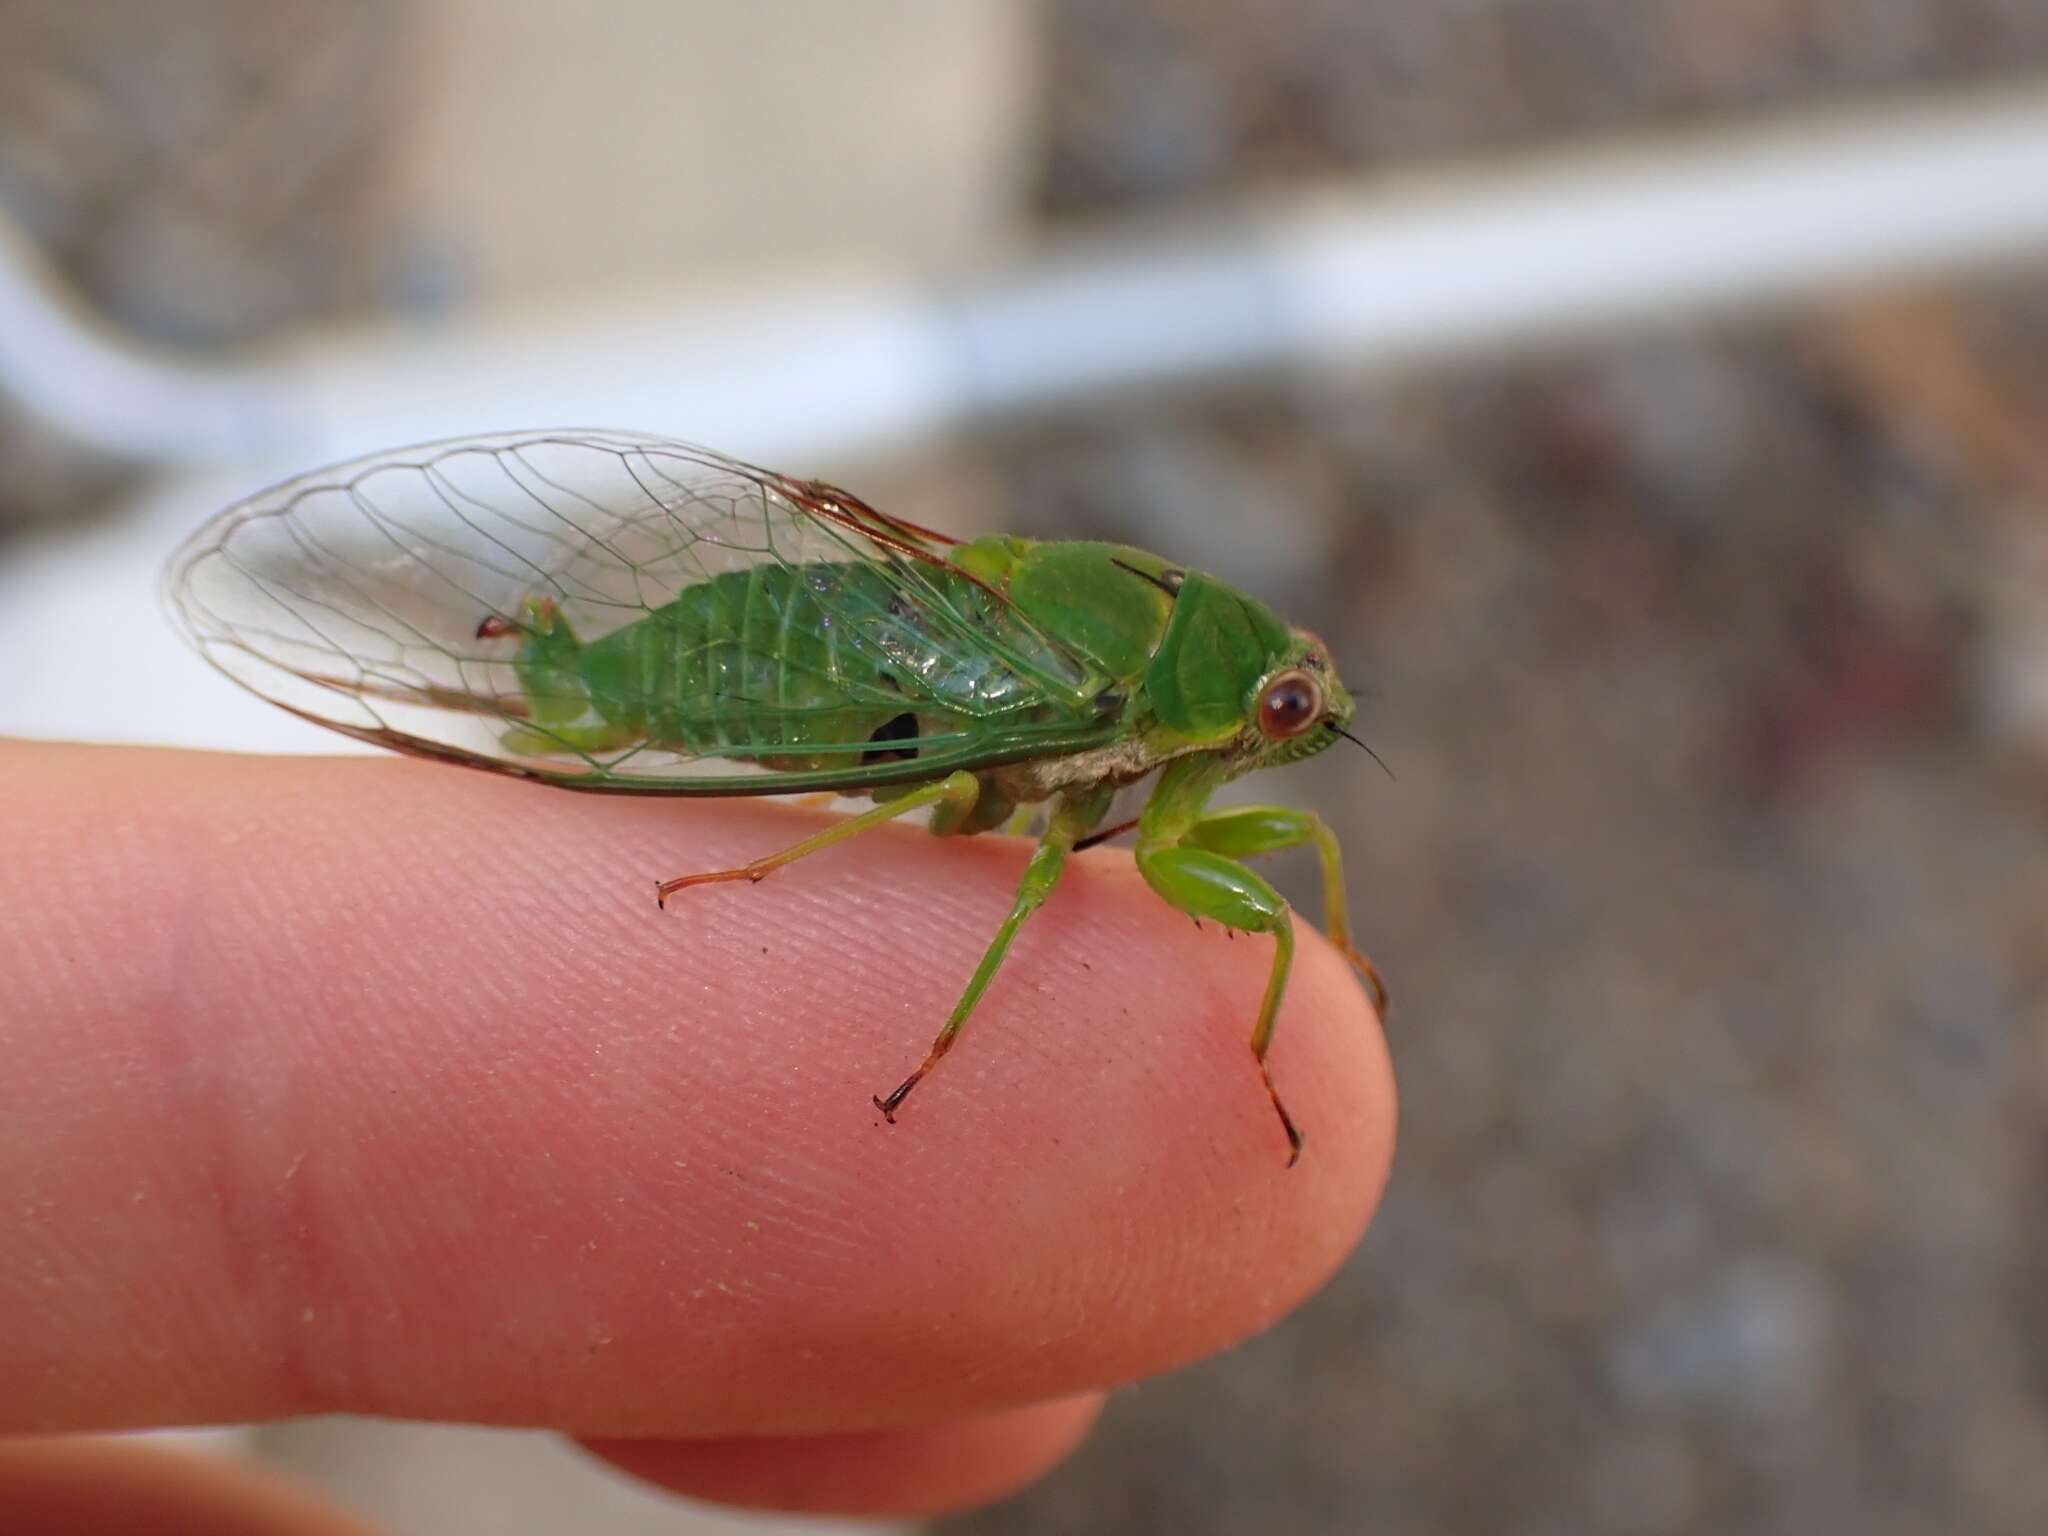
x: 1231, y: 678
x: 1300, y: 706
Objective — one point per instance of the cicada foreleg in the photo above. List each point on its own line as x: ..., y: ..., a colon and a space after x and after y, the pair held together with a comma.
x: 1246, y: 831
x: 951, y: 799
x: 1069, y: 822
x: 1204, y: 883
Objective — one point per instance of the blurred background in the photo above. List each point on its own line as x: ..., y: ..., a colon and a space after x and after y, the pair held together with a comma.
x: 1646, y: 398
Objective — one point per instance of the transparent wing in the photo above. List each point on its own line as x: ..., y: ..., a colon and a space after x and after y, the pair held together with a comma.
x: 353, y: 596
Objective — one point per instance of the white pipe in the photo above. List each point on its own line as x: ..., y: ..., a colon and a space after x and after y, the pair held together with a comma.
x: 1401, y: 268
x: 109, y: 391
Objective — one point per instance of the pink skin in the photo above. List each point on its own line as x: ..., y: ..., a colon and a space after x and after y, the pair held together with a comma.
x: 378, y: 1086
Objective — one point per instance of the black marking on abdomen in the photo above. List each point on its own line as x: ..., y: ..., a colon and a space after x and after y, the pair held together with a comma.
x: 901, y: 727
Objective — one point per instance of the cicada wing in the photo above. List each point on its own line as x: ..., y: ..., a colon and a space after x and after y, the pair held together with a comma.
x: 372, y: 596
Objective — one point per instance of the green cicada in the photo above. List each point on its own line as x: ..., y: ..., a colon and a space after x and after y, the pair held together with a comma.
x: 625, y: 613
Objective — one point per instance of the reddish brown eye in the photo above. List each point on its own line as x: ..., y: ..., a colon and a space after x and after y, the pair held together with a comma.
x: 1291, y: 703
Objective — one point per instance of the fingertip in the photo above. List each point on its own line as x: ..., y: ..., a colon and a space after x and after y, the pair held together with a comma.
x: 927, y: 1472
x: 443, y: 1123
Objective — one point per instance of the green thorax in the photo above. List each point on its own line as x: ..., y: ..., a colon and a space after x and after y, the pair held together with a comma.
x: 1188, y: 650
x: 1083, y: 595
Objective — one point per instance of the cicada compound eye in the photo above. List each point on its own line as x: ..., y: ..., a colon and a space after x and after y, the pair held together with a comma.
x: 1289, y: 705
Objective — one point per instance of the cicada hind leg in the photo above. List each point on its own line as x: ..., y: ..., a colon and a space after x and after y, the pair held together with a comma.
x: 950, y: 799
